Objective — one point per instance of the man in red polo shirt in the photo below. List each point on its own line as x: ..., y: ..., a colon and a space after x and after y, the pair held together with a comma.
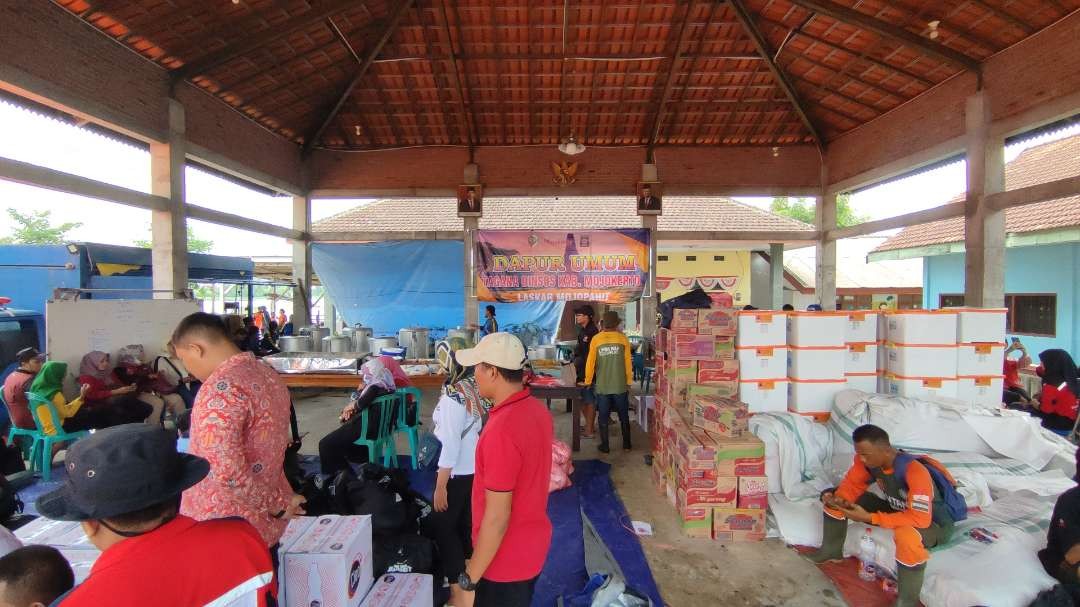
x: 511, y: 530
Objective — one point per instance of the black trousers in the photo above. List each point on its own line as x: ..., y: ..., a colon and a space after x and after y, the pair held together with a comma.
x: 621, y: 404
x: 1014, y: 395
x: 337, y: 449
x: 452, y: 530
x: 504, y: 594
x: 1053, y: 421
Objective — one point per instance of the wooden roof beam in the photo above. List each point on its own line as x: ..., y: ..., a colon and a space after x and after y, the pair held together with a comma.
x: 782, y: 80
x: 472, y: 135
x: 391, y: 26
x: 1005, y: 16
x: 669, y: 85
x: 325, y: 10
x: 899, y: 34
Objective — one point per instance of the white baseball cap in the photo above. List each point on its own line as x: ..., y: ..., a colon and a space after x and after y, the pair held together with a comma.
x: 503, y: 350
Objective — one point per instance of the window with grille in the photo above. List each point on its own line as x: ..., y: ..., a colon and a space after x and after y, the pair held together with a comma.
x: 1029, y: 313
x: 951, y: 300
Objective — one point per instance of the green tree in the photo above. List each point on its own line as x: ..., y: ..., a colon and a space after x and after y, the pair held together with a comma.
x: 35, y: 228
x: 194, y: 243
x: 802, y: 209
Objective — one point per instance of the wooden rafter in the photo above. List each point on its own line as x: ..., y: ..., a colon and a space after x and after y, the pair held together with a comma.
x: 762, y: 47
x: 722, y: 132
x: 881, y: 28
x: 498, y: 74
x: 436, y: 74
x: 562, y: 70
x: 471, y: 137
x: 633, y: 42
x: 595, y: 78
x: 362, y: 70
x: 1005, y: 16
x: 325, y: 10
x: 530, y: 130
x: 835, y: 72
x: 669, y: 86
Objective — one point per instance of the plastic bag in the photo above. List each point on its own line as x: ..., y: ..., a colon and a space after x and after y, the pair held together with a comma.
x: 562, y: 466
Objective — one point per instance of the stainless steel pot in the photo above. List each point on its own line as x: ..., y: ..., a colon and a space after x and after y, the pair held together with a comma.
x: 317, y: 335
x: 469, y: 335
x: 295, y: 343
x: 416, y: 342
x: 337, y: 344
x: 362, y: 338
x: 378, y: 343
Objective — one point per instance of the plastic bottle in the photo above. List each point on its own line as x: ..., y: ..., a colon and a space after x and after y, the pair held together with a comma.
x: 867, y: 550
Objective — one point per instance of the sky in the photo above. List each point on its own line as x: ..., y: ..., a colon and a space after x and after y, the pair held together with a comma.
x: 36, y: 139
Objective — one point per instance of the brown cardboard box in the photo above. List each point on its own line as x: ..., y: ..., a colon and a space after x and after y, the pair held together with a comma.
x: 697, y: 523
x: 663, y: 340
x: 716, y: 389
x: 717, y: 322
x: 704, y: 347
x: 738, y: 525
x: 720, y: 416
x: 717, y: 370
x: 753, y: 492
x: 742, y: 456
x: 725, y: 494
x: 684, y: 321
x: 694, y: 449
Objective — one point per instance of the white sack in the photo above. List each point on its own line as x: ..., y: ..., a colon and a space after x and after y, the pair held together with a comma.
x: 797, y: 453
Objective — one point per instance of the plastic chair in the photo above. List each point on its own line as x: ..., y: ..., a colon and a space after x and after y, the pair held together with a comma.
x: 402, y: 422
x: 15, y: 431
x: 41, y: 454
x: 383, y: 442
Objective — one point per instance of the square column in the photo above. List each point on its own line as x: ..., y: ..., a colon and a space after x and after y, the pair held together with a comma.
x: 984, y: 228
x: 472, y: 307
x: 825, y: 222
x: 776, y: 275
x: 168, y: 229
x: 301, y: 262
x: 650, y: 304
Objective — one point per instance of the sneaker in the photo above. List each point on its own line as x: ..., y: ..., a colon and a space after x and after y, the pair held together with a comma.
x: 603, y: 449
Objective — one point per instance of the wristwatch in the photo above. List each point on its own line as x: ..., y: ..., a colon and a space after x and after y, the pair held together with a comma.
x: 466, y: 582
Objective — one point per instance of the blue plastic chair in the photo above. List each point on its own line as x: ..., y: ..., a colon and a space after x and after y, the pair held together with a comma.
x: 41, y: 454
x: 27, y: 446
x: 382, y: 446
x: 402, y: 422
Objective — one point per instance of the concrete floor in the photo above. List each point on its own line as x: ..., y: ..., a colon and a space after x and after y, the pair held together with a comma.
x: 689, y: 572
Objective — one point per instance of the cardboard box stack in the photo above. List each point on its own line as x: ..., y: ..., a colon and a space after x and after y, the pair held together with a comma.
x: 703, y: 453
x: 326, y: 559
x: 762, y: 357
x: 861, y: 370
x: 921, y: 354
x: 816, y: 357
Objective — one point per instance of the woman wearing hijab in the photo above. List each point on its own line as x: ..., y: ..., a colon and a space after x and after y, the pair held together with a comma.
x: 48, y: 384
x: 150, y: 388
x: 338, y: 448
x: 106, y: 394
x: 457, y: 419
x: 1057, y: 403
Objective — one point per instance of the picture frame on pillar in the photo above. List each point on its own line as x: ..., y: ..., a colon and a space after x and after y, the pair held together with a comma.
x: 650, y: 198
x: 470, y: 200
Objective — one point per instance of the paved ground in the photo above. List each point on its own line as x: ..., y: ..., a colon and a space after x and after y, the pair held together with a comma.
x: 690, y: 572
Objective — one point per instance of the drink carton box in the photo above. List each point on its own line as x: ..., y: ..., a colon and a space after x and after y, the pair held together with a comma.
x: 717, y: 370
x: 401, y: 590
x: 716, y: 389
x: 330, y: 562
x: 742, y: 456
x: 719, y: 416
x: 694, y: 449
x: 684, y: 321
x: 717, y: 322
x: 297, y: 527
x: 724, y: 494
x: 753, y: 492
x: 738, y: 525
x: 704, y: 347
x: 697, y: 522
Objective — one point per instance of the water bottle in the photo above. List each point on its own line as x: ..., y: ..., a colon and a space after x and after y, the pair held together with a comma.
x: 867, y: 550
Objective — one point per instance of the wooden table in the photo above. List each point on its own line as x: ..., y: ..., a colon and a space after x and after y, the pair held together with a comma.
x: 348, y: 380
x: 572, y: 395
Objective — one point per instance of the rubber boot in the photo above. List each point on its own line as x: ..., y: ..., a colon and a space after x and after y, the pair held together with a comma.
x: 909, y: 584
x: 625, y: 427
x: 833, y: 533
x: 603, y: 428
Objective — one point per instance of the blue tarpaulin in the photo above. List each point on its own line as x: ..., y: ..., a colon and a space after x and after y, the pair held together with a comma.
x: 391, y: 285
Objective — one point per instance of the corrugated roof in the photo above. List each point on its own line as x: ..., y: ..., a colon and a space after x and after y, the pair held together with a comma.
x: 1039, y: 164
x: 681, y: 214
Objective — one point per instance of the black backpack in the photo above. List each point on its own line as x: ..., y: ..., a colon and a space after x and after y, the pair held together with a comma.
x: 10, y: 504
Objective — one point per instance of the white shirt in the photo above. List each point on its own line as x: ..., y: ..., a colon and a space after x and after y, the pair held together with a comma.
x: 458, y: 453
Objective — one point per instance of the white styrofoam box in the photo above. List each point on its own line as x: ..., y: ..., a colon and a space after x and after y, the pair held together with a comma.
x: 867, y: 382
x: 921, y: 387
x: 401, y: 590
x: 816, y: 329
x: 984, y: 390
x: 816, y: 363
x: 861, y: 358
x: 763, y: 362
x: 980, y: 324
x: 644, y: 404
x: 58, y: 534
x: 922, y: 327
x: 761, y: 328
x: 921, y: 361
x: 764, y: 395
x: 813, y: 396
x: 980, y: 359
x: 329, y: 562
x: 862, y: 326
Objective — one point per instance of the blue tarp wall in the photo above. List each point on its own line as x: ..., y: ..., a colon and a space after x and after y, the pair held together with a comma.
x: 419, y: 283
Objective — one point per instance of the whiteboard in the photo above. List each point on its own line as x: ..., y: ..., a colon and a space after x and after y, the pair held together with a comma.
x: 73, y: 328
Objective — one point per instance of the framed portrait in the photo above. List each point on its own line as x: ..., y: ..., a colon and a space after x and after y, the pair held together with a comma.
x: 470, y: 200
x: 650, y: 198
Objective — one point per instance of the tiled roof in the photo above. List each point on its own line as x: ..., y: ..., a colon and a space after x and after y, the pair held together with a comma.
x: 853, y: 271
x: 681, y: 214
x: 1040, y: 164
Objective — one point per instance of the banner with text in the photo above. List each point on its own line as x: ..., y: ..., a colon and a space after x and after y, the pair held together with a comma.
x: 606, y: 266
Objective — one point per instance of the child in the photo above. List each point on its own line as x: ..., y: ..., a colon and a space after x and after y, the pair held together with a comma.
x: 34, y: 576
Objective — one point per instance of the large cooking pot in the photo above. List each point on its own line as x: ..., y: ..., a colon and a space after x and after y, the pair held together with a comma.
x: 337, y: 344
x: 469, y: 335
x: 378, y: 343
x: 416, y: 342
x: 317, y: 335
x: 295, y: 343
x: 362, y: 338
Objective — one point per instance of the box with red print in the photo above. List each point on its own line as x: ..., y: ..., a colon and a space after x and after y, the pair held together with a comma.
x: 720, y: 416
x: 738, y: 525
x: 329, y: 562
x: 717, y: 322
x: 753, y: 492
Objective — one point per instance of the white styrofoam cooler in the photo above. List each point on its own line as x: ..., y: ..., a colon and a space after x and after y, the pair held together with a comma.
x: 980, y: 324
x: 861, y: 358
x: 762, y: 362
x: 921, y: 361
x: 814, y: 396
x: 816, y: 363
x: 984, y: 390
x: 862, y: 326
x: 921, y: 387
x: 816, y: 329
x: 980, y: 359
x: 867, y: 382
x: 761, y: 328
x: 922, y: 327
x: 764, y: 395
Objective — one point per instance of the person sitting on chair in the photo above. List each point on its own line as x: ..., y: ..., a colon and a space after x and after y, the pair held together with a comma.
x: 107, y: 395
x: 339, y: 447
x: 1061, y: 557
x: 48, y: 384
x: 1056, y: 404
x: 16, y: 384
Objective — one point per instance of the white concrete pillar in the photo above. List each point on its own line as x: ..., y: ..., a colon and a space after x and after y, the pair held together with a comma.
x: 825, y: 221
x: 472, y: 313
x: 776, y: 275
x: 984, y: 228
x: 168, y: 229
x: 649, y: 304
x: 301, y: 263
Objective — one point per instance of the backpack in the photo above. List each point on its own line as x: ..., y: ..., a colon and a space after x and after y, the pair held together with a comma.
x: 944, y: 482
x: 10, y: 504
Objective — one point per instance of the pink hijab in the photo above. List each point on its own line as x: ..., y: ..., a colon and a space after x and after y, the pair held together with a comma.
x: 89, y: 366
x: 400, y: 379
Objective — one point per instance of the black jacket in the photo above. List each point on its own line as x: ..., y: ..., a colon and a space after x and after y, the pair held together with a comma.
x: 581, y: 353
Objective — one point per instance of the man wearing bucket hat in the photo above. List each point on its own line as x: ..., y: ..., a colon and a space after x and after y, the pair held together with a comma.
x: 124, y: 484
x: 510, y: 529
x: 611, y: 373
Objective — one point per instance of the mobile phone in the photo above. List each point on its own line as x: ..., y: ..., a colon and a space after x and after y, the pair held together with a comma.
x: 1016, y: 340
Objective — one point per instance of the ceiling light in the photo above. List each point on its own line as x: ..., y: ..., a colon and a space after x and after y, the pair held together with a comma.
x: 775, y: 152
x: 933, y: 25
x: 571, y: 147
